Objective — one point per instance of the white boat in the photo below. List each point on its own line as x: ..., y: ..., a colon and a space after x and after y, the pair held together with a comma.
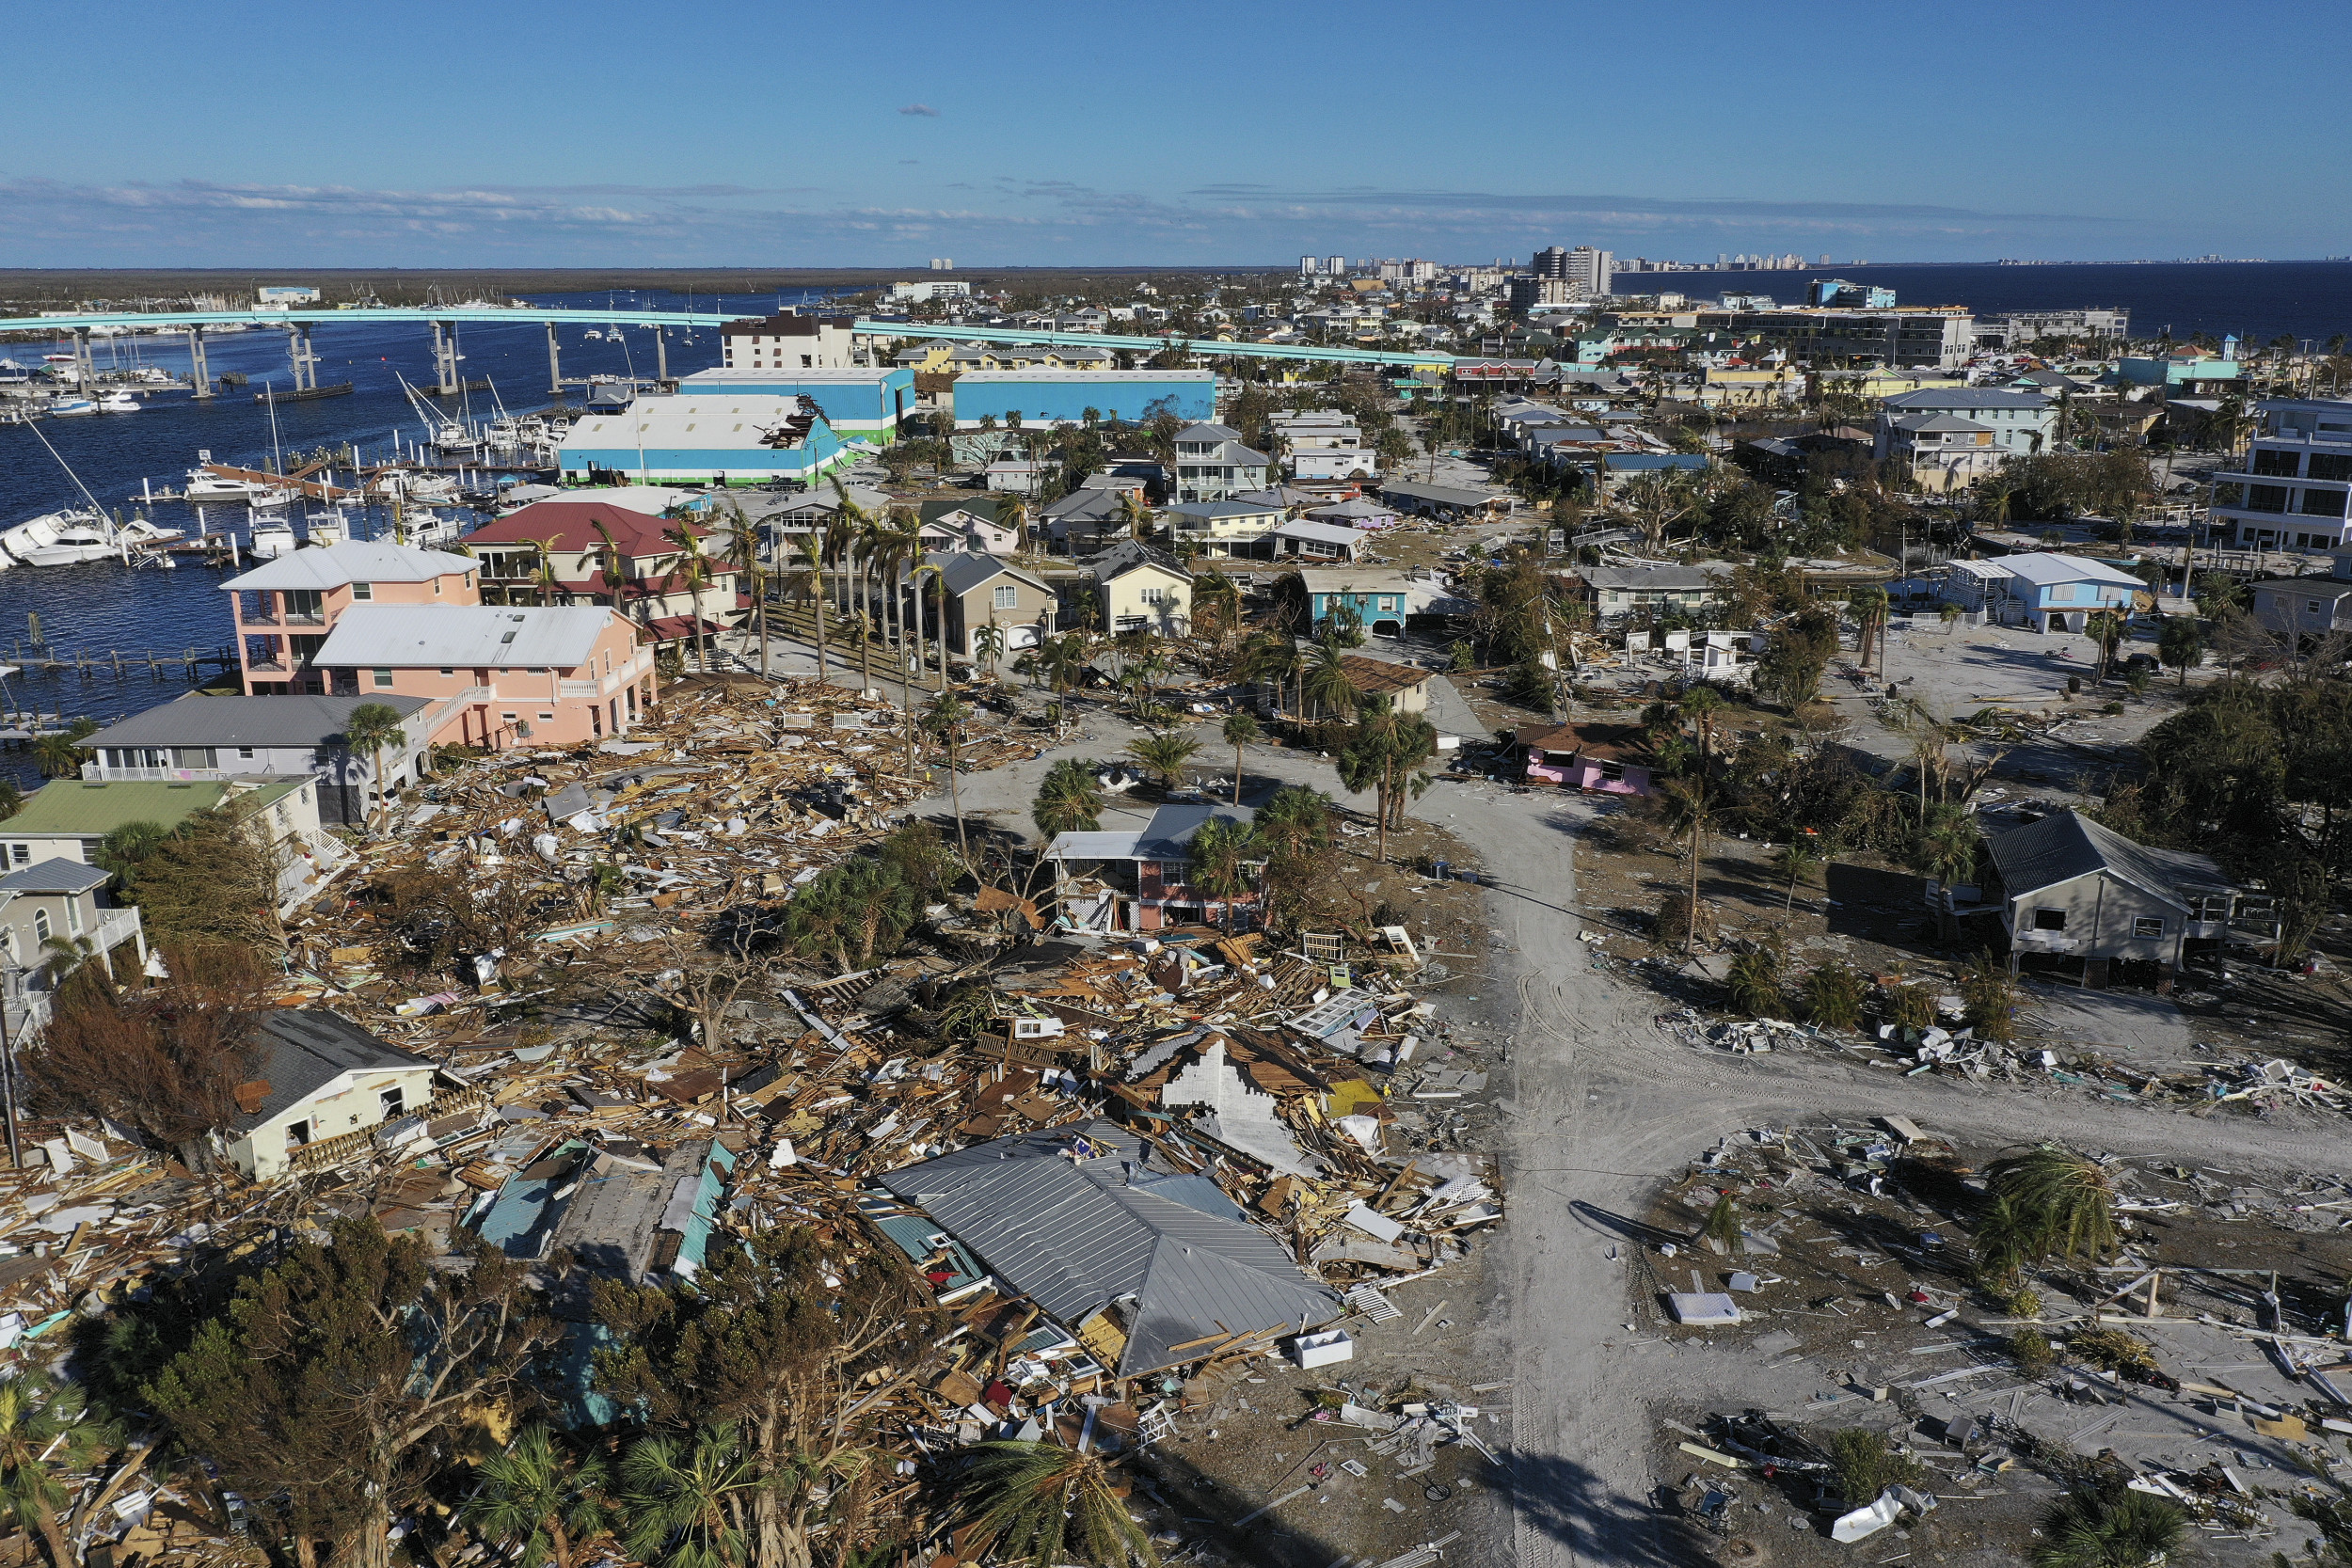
x: 120, y: 402
x: 39, y: 532
x: 323, y: 528
x: 205, y: 486
x: 75, y: 544
x: 593, y: 336
x: 71, y: 405
x: 272, y: 538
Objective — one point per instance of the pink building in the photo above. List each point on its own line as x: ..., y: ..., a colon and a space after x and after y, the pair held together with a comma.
x: 1610, y: 758
x: 369, y: 618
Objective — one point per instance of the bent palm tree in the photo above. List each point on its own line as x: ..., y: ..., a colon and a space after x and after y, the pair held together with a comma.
x: 2070, y: 1197
x: 1043, y: 1504
x: 694, y: 567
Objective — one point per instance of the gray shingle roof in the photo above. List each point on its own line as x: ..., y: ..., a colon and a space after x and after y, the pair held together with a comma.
x: 200, y: 721
x: 2068, y: 845
x: 1968, y: 397
x: 1079, y: 1234
x: 964, y: 570
x: 305, y: 1050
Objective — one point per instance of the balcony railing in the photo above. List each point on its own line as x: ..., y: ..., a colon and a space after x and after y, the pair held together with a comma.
x: 114, y: 927
x: 98, y: 772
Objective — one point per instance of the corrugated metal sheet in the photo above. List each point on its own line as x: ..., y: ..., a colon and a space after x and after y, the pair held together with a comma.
x: 1077, y: 1234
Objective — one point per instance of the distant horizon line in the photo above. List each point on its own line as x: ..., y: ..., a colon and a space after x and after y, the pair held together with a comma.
x: 919, y: 272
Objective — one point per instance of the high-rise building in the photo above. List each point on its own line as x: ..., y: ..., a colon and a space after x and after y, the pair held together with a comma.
x: 1551, y: 261
x: 1590, y: 270
x: 1309, y: 266
x: 1335, y: 265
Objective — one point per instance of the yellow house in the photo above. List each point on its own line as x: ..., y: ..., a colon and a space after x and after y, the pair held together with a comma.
x: 1775, y: 386
x: 1884, y: 383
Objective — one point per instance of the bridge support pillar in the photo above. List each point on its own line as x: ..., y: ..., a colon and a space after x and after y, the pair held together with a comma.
x: 305, y: 364
x: 444, y: 357
x: 199, y: 372
x: 555, y: 364
x: 661, y: 356
x: 85, y: 367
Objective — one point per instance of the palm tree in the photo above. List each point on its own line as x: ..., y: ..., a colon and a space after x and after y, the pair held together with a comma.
x: 1043, y: 1504
x: 2109, y: 1529
x: 1325, y: 681
x: 946, y: 718
x: 988, y: 647
x: 685, y: 1499
x: 539, y: 1495
x: 1700, y: 705
x: 371, y: 727
x: 744, y: 551
x: 694, y: 566
x: 2070, y: 1196
x: 1013, y: 513
x: 1799, y: 860
x: 1134, y: 513
x: 543, y: 575
x: 1240, y: 730
x: 2107, y: 628
x: 1164, y: 753
x: 812, y: 577
x: 1216, y: 861
x: 58, y: 755
x: 1868, y: 604
x: 38, y: 1438
x: 1689, y: 809
x: 1065, y: 661
x: 2181, y: 643
x: 609, y: 564
x: 2008, y: 1241
x: 1069, y: 800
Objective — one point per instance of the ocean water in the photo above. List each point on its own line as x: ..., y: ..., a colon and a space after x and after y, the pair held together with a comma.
x: 2255, y: 300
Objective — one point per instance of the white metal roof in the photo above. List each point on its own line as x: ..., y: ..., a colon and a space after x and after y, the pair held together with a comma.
x: 481, y: 636
x: 2042, y: 567
x: 359, y: 561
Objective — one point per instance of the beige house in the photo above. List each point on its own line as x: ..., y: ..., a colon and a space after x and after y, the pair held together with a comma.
x: 322, y: 1078
x: 1138, y: 588
x: 984, y: 591
x: 2070, y: 889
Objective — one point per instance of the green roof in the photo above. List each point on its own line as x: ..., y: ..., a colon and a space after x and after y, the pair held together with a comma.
x: 75, y: 807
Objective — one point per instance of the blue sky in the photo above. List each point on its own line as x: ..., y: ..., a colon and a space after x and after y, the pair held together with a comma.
x: 592, y: 134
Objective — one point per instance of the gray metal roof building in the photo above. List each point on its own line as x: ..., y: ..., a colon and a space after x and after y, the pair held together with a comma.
x: 1082, y: 1219
x: 506, y: 636
x: 305, y: 1050
x: 2067, y: 844
x: 273, y: 723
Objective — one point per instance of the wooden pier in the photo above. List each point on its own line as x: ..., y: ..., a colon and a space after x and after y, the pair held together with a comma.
x: 190, y: 664
x: 311, y: 488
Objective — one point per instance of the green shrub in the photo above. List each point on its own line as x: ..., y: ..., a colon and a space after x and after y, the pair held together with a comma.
x: 1863, y: 1466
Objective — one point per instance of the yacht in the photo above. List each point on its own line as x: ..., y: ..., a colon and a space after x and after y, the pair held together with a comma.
x: 324, y: 529
x: 70, y: 404
x: 204, y: 486
x: 92, y: 538
x: 74, y: 544
x: 120, y: 402
x: 272, y: 536
x: 39, y: 532
x: 592, y: 336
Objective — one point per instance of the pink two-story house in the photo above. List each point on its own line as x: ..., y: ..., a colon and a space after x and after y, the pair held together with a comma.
x: 372, y: 618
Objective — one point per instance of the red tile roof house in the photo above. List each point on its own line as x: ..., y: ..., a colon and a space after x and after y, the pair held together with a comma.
x: 652, y: 591
x: 1611, y: 758
x: 369, y: 618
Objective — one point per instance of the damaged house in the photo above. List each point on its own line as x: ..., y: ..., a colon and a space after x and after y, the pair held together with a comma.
x: 2070, y: 889
x: 1134, y: 879
x: 1148, y: 1265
